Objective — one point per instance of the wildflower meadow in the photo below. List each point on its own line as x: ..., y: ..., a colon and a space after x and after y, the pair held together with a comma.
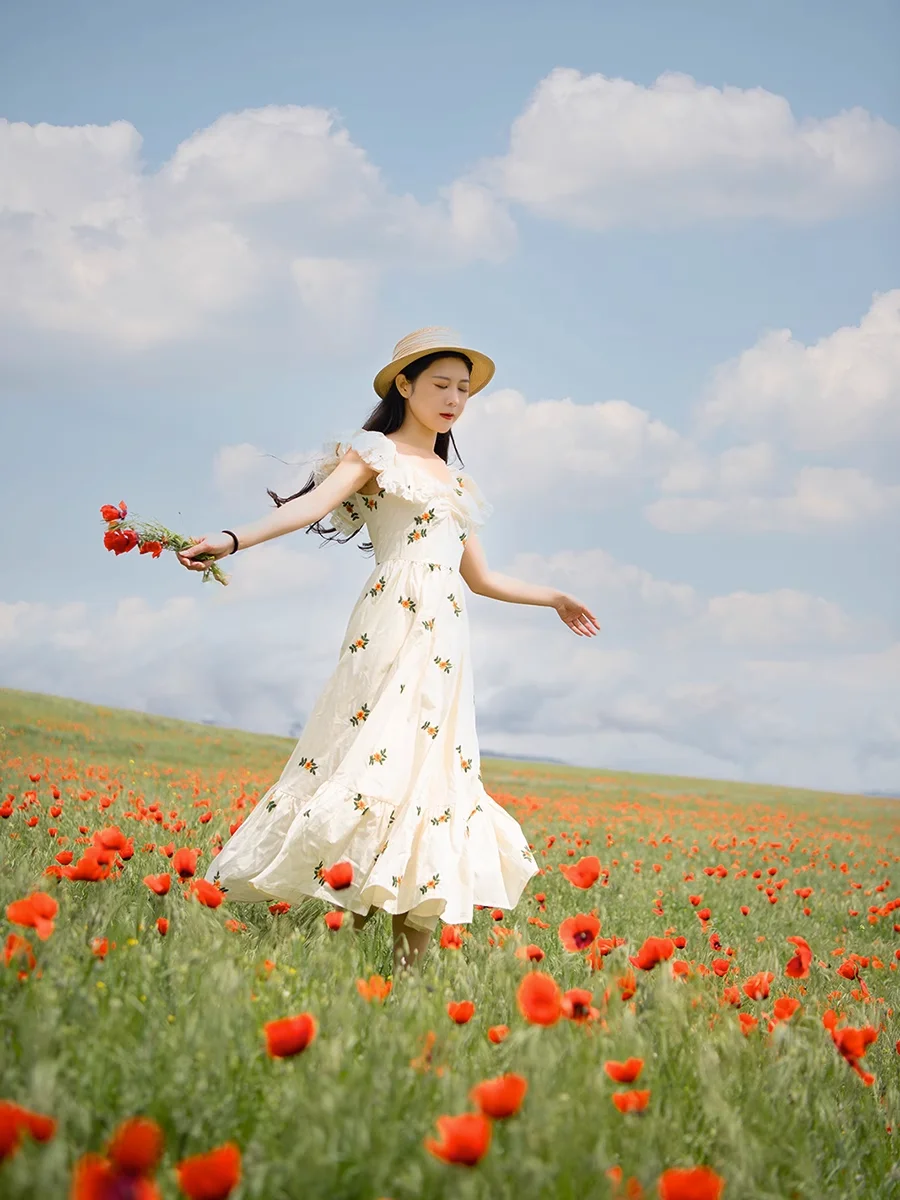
x: 696, y: 997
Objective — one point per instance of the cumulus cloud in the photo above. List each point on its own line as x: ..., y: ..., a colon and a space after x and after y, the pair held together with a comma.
x: 597, y: 153
x: 544, y: 443
x: 93, y: 244
x: 834, y: 395
x: 336, y: 294
x: 781, y: 685
x: 836, y: 401
x: 250, y: 655
x: 781, y: 618
x: 728, y: 685
x: 822, y: 498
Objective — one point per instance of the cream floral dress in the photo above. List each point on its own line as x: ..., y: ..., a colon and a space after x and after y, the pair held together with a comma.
x: 386, y: 774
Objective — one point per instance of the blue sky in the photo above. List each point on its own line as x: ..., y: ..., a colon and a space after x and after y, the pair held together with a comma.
x: 216, y: 221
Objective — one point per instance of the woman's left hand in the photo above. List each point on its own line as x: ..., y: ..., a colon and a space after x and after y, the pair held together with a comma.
x: 576, y: 615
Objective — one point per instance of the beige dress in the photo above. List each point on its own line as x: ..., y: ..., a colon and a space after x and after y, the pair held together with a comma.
x: 386, y: 773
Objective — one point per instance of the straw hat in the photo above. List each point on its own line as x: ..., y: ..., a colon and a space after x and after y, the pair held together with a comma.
x: 426, y: 341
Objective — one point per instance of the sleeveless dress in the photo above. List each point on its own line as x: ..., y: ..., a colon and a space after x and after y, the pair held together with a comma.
x: 386, y: 773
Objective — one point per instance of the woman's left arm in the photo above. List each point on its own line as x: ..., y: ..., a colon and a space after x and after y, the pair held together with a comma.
x: 484, y: 582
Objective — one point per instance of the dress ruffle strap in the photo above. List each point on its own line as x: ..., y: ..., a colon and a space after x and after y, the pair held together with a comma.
x: 397, y: 475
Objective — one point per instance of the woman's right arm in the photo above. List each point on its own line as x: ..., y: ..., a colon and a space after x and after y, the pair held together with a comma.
x: 350, y: 474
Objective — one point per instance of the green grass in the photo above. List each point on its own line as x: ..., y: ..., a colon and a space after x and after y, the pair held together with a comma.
x: 171, y: 1027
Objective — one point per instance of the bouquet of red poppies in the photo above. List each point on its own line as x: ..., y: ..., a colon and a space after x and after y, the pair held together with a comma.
x: 123, y: 533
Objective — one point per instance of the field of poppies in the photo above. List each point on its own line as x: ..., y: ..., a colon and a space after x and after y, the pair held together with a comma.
x: 696, y: 998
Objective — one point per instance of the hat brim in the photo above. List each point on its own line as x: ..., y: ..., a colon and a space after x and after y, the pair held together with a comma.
x: 481, y: 375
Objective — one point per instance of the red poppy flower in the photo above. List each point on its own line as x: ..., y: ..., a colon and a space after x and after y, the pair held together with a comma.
x: 584, y: 873
x: 530, y: 953
x: 748, y: 1023
x: 290, y: 1035
x: 500, y: 1097
x: 120, y: 540
x: 757, y: 986
x: 464, y: 1139
x: 690, y: 1183
x: 89, y: 868
x: 451, y: 938
x: 159, y: 883
x: 624, y: 1072
x: 95, y: 1178
x: 798, y: 966
x: 654, y: 950
x: 211, y: 1176
x: 375, y: 988
x: 785, y: 1007
x: 19, y: 948
x: 16, y: 1120
x: 576, y: 1005
x: 339, y: 876
x: 633, y: 1101
x: 136, y: 1146
x: 185, y: 862
x: 207, y: 893
x: 460, y: 1011
x: 578, y: 932
x: 36, y: 911
x: 853, y: 1043
x: 539, y: 999
x: 497, y: 1033
x: 627, y: 984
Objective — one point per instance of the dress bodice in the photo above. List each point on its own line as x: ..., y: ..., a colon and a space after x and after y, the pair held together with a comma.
x: 413, y: 515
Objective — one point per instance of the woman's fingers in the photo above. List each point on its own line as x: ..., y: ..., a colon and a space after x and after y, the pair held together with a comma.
x: 188, y: 556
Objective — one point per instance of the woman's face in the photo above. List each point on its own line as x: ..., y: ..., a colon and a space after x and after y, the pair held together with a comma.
x: 438, y: 395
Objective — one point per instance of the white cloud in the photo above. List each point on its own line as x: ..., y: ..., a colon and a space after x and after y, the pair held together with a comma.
x: 274, y: 572
x: 133, y: 629
x: 335, y: 293
x: 823, y: 498
x: 729, y: 686
x: 782, y: 686
x: 94, y: 245
x: 834, y: 395
x: 737, y: 469
x: 597, y: 152
x: 275, y: 155
x: 781, y: 618
x: 545, y: 443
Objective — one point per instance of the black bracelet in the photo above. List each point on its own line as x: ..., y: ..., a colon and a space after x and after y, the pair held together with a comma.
x: 233, y: 536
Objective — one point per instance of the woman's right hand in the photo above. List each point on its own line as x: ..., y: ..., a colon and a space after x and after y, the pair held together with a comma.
x: 215, y: 545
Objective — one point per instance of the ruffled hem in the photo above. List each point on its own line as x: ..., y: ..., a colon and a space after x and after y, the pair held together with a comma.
x: 396, y: 867
x: 398, y: 478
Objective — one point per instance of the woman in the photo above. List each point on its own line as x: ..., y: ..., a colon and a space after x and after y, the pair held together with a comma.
x: 386, y: 774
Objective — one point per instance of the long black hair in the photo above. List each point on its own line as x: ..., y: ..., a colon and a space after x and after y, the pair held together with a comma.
x: 386, y: 417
